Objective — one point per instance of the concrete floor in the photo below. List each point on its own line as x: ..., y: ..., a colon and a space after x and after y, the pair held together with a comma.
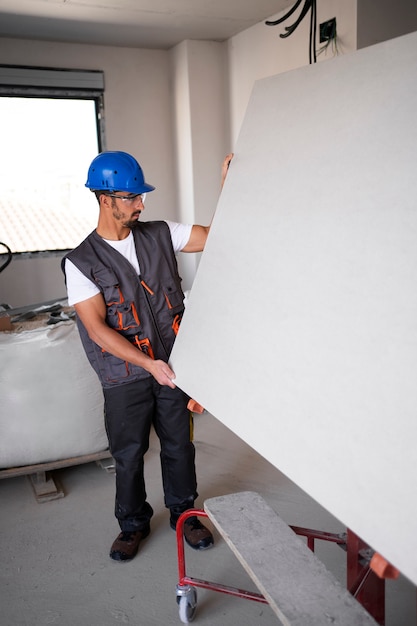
x: 55, y: 565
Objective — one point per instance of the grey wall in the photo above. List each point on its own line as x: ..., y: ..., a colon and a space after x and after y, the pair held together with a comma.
x: 384, y: 19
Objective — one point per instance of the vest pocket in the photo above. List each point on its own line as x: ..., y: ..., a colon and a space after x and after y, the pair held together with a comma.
x: 107, y: 280
x: 114, y: 370
x: 174, y: 297
x: 123, y: 316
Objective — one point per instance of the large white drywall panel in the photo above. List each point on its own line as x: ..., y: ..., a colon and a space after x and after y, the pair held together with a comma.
x: 300, y: 333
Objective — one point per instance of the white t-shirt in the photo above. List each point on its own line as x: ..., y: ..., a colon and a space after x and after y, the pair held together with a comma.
x: 80, y: 288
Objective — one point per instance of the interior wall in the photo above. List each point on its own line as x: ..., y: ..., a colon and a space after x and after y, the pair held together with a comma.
x: 138, y: 120
x: 382, y: 20
x: 201, y: 130
x: 168, y: 109
x: 137, y: 100
x: 32, y: 280
x: 259, y: 52
x: 181, y: 111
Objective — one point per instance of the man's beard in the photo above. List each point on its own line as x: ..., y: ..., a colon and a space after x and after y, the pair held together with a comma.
x: 132, y: 224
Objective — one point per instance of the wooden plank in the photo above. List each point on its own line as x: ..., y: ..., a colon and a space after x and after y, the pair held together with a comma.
x: 295, y: 582
x: 53, y: 465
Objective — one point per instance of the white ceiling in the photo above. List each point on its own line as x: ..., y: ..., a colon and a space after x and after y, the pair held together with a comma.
x: 133, y: 23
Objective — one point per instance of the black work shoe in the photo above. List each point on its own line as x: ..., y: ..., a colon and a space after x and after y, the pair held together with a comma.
x: 196, y: 535
x: 125, y: 546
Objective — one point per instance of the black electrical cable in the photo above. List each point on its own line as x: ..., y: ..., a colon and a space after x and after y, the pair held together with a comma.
x: 9, y: 256
x: 313, y: 32
x: 304, y: 11
x: 309, y: 5
x: 282, y: 19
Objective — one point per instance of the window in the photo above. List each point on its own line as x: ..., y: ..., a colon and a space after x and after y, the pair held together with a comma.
x: 49, y: 136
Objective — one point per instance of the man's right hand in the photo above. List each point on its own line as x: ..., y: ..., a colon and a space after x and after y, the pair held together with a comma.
x: 162, y: 373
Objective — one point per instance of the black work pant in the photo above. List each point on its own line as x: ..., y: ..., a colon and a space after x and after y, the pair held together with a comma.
x: 130, y: 411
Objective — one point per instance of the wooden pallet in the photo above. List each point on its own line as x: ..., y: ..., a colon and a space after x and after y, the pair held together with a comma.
x: 44, y: 483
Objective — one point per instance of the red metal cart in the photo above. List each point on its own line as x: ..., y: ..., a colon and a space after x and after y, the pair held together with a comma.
x: 186, y: 593
x: 366, y: 571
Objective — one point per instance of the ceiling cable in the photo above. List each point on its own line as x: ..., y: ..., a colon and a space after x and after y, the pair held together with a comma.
x: 309, y: 5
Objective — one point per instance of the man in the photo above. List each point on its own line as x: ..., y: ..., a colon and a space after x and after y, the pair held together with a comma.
x: 124, y: 285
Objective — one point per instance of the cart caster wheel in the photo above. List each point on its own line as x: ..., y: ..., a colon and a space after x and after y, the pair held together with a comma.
x: 187, y: 603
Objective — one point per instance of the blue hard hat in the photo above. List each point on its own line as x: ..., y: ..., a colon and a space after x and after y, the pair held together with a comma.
x: 116, y: 171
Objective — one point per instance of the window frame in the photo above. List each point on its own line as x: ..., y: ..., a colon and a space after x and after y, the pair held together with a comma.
x: 60, y: 84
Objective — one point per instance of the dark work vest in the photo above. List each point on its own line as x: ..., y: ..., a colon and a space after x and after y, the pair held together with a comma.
x: 146, y: 309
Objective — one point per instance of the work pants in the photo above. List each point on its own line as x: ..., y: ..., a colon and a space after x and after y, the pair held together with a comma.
x: 130, y: 411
